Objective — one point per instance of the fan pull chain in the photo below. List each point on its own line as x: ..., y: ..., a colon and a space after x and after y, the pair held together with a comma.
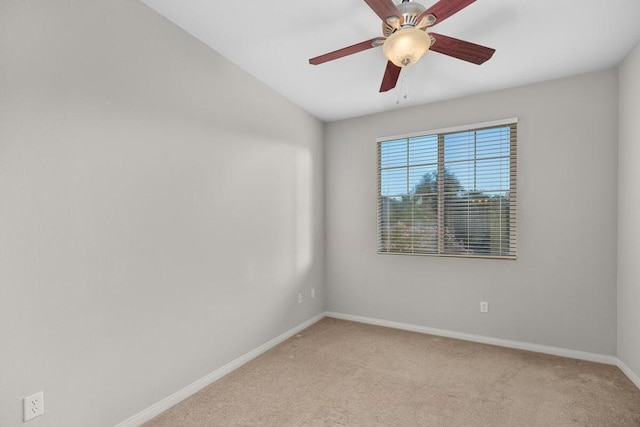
x: 403, y: 89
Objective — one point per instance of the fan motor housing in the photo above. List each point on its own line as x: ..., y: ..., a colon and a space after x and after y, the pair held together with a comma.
x: 410, y: 11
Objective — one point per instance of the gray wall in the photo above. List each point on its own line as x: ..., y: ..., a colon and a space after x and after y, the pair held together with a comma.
x: 160, y: 210
x: 629, y: 214
x: 562, y: 289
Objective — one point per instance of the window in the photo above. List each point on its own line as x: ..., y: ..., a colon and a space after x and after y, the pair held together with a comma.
x: 449, y: 192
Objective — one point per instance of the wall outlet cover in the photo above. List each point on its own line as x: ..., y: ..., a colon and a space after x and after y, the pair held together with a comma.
x: 33, y: 406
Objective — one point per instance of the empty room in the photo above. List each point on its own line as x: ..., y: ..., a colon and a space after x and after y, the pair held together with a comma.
x: 319, y: 213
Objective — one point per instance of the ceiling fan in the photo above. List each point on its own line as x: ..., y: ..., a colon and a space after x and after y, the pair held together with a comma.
x: 405, y: 38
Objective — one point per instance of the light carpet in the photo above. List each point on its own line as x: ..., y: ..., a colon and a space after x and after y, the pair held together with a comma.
x: 341, y: 373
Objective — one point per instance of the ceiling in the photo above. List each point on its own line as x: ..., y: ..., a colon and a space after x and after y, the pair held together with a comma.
x: 535, y: 40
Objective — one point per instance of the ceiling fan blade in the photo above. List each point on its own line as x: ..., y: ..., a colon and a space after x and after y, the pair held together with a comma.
x: 384, y: 9
x: 444, y: 9
x: 461, y: 49
x: 349, y: 50
x: 391, y: 75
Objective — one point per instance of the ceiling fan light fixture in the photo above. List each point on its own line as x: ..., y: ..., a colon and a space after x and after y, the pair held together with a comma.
x: 406, y: 46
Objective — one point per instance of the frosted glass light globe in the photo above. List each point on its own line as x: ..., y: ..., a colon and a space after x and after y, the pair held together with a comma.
x: 405, y: 47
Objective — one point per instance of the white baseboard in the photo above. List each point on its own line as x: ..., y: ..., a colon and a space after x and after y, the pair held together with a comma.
x: 635, y: 378
x: 556, y: 351
x: 158, y: 408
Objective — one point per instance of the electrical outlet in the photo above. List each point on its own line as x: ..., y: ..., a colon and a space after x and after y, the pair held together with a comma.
x: 484, y: 307
x: 300, y: 298
x: 33, y: 406
x: 313, y: 293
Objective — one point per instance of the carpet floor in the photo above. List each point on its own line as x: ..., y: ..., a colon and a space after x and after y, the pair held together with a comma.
x: 340, y: 373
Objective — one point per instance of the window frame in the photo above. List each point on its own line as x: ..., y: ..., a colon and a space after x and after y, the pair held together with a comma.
x: 439, y: 133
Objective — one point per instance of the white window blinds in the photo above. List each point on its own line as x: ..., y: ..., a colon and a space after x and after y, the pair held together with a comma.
x: 450, y: 193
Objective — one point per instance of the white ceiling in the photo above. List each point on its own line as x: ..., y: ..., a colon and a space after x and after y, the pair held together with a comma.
x: 535, y: 40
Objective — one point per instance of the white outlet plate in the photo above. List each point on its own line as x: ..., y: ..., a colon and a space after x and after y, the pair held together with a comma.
x: 300, y: 298
x: 313, y: 293
x: 484, y: 307
x: 33, y: 406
